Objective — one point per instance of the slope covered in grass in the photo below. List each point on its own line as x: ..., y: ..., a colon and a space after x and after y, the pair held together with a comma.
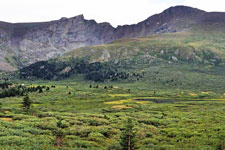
x: 187, y: 60
x: 199, y: 47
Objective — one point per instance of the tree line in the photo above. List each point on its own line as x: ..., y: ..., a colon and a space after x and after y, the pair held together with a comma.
x: 5, y: 85
x: 20, y: 90
x: 57, y: 70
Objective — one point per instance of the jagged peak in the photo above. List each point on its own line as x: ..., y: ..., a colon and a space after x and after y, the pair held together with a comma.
x: 80, y: 17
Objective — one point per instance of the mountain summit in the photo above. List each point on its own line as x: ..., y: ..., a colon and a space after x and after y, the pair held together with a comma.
x: 25, y: 43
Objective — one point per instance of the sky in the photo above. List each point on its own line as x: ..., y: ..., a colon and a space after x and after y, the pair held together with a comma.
x: 116, y: 12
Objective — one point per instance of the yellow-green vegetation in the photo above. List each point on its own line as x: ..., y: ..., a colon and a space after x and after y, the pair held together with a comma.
x: 118, y: 101
x: 75, y: 115
x: 121, y: 107
x: 197, y: 45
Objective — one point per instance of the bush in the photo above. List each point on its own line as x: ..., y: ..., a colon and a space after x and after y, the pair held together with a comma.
x: 95, y: 136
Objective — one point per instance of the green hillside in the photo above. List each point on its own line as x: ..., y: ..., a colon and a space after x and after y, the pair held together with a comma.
x: 186, y: 46
x: 172, y: 87
x: 188, y: 60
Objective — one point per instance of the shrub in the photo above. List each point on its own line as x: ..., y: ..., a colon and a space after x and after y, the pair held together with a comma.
x: 95, y: 136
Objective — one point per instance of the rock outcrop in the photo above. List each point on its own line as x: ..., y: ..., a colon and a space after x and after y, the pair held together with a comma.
x: 22, y: 44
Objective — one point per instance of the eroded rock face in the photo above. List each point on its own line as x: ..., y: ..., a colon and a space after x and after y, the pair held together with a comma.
x: 42, y: 41
x: 25, y: 43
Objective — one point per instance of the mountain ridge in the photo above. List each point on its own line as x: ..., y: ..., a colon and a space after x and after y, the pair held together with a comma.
x: 26, y: 43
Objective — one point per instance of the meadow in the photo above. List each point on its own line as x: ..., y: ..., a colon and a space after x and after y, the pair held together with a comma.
x: 93, y: 115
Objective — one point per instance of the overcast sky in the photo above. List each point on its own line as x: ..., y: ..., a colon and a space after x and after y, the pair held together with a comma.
x: 116, y: 12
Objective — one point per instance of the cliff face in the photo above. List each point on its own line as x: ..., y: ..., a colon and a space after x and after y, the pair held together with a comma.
x: 25, y: 43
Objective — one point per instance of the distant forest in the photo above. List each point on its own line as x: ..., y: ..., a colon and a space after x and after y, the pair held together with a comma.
x: 58, y: 70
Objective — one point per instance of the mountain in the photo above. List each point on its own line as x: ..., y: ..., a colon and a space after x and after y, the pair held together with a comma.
x: 187, y: 61
x: 26, y: 43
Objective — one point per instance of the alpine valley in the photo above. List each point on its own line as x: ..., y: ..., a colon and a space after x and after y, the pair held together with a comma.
x: 78, y: 84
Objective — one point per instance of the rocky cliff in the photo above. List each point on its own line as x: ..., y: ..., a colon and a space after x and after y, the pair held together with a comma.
x: 22, y: 44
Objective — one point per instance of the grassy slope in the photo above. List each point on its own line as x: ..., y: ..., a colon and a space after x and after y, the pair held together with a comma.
x: 153, y: 55
x: 184, y: 41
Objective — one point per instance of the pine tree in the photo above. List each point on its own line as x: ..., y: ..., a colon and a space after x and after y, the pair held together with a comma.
x: 27, y: 102
x: 47, y: 89
x: 128, y: 137
x: 59, y: 133
x: 40, y: 90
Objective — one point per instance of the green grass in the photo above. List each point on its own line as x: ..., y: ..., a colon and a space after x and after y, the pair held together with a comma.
x: 185, y: 44
x: 94, y: 117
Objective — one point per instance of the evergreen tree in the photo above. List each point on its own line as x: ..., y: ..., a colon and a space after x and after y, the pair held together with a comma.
x: 128, y: 137
x: 27, y: 102
x: 59, y: 133
x: 40, y: 90
x: 47, y: 89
